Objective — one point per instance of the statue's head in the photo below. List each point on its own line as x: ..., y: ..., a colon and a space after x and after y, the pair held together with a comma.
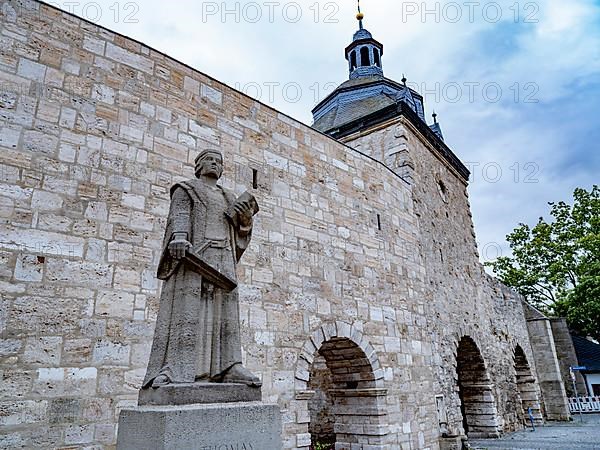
x: 209, y: 163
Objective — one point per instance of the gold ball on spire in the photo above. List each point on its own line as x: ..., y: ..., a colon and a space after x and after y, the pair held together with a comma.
x: 360, y: 16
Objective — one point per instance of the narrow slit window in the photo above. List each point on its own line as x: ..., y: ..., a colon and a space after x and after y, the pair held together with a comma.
x: 443, y: 190
x: 254, y: 179
x: 365, y: 60
x: 379, y: 222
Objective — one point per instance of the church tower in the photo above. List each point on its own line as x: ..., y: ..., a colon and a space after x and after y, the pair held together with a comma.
x: 368, y: 99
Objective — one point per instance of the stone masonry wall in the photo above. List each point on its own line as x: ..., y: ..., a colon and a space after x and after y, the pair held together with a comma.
x: 95, y: 128
x: 550, y: 367
x: 460, y: 298
x: 567, y: 356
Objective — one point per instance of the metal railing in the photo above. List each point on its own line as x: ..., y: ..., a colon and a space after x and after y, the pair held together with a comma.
x: 584, y: 404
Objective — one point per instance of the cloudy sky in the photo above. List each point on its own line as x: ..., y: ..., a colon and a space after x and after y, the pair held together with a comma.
x: 516, y: 84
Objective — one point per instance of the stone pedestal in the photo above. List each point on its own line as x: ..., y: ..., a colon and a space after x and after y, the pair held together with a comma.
x: 189, y: 394
x: 200, y: 416
x: 230, y: 426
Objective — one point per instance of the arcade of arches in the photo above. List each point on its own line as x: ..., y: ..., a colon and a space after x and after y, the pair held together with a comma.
x: 347, y: 404
x: 478, y: 406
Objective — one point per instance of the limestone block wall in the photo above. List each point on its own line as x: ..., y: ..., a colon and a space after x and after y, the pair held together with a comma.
x: 565, y: 351
x: 551, y: 370
x: 460, y: 298
x: 95, y: 128
x: 549, y: 376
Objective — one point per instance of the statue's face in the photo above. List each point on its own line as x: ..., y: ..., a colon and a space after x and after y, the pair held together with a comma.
x: 211, y: 166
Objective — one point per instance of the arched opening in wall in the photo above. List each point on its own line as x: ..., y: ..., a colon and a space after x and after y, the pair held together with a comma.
x: 377, y: 57
x: 353, y: 64
x: 346, y: 407
x: 475, y: 391
x: 365, y: 58
x: 527, y: 389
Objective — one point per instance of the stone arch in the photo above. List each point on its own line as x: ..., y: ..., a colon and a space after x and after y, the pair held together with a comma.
x: 526, y: 388
x: 354, y: 386
x: 475, y: 390
x: 365, y: 57
x: 353, y: 64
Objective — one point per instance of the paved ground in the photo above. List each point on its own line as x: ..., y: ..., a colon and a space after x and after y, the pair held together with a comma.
x: 564, y: 436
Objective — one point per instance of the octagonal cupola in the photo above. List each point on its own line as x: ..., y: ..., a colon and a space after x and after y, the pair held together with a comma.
x: 364, y: 53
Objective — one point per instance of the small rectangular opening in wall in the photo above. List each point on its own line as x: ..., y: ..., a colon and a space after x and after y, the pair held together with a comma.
x: 441, y: 409
x: 254, y: 179
x: 379, y: 222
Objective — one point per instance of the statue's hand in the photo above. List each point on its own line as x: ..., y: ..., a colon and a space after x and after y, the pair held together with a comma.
x: 244, y: 211
x: 178, y: 247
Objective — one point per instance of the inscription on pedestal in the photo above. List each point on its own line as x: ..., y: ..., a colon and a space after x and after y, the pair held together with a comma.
x: 227, y: 426
x: 236, y: 446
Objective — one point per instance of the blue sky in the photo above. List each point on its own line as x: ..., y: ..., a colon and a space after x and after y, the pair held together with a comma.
x: 516, y: 84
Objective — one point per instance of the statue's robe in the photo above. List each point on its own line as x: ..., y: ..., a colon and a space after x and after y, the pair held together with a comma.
x: 197, y: 335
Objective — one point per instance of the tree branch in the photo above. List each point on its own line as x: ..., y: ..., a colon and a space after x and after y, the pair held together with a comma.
x: 548, y: 294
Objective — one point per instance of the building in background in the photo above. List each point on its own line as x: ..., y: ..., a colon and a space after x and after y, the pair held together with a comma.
x: 588, y: 356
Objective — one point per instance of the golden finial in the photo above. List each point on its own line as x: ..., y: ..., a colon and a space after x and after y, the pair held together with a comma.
x: 360, y: 16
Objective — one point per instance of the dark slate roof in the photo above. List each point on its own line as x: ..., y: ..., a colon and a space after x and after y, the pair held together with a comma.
x: 346, y: 113
x: 359, y: 97
x: 361, y: 81
x: 588, y: 353
x: 360, y: 103
x: 362, y: 34
x: 406, y: 96
x: 435, y: 127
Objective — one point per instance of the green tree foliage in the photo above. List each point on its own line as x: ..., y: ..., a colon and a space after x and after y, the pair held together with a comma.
x: 556, y: 264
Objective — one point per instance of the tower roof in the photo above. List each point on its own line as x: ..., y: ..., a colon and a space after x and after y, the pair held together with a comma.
x: 368, y: 98
x: 435, y: 127
x: 364, y: 53
x: 360, y: 97
x: 367, y: 90
x: 363, y: 33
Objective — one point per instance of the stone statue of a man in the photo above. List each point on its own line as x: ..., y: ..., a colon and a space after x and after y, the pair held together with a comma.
x: 197, y: 335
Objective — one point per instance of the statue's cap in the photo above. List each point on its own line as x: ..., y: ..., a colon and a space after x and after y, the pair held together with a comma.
x: 206, y: 152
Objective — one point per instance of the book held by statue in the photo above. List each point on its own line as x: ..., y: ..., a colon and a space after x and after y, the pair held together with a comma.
x: 245, y: 198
